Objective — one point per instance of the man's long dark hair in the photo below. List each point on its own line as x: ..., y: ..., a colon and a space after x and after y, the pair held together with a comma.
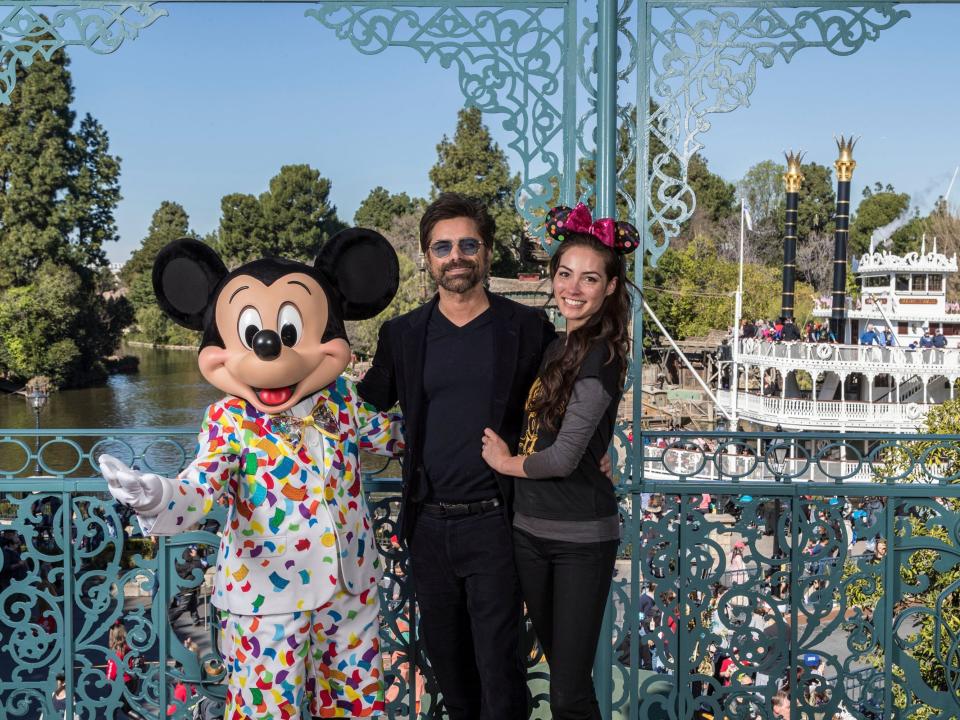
x: 610, y: 326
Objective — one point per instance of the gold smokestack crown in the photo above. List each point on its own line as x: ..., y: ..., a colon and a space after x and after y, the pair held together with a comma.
x: 845, y: 164
x: 793, y: 177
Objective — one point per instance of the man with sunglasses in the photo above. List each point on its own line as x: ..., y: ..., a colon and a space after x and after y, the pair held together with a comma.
x: 463, y: 361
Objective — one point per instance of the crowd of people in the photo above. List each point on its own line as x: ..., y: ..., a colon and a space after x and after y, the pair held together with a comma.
x: 785, y: 330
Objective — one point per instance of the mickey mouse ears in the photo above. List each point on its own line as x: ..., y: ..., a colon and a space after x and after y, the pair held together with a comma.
x: 622, y: 237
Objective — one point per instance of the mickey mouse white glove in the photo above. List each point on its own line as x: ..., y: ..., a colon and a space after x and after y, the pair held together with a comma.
x: 147, y: 493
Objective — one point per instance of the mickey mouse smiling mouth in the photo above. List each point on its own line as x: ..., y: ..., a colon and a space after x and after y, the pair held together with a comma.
x: 275, y: 396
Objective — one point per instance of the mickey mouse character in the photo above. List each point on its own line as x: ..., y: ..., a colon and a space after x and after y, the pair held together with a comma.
x: 297, y: 571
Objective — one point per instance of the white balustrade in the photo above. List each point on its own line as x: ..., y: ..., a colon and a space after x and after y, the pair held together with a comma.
x: 827, y: 415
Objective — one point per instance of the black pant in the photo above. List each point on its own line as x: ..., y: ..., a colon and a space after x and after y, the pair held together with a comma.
x: 565, y: 586
x: 470, y: 613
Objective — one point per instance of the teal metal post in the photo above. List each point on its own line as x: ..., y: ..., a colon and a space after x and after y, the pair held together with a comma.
x: 160, y: 613
x: 66, y: 519
x: 637, y: 446
x: 606, y: 191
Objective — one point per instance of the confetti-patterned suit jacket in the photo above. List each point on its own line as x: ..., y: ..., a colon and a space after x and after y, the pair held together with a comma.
x: 298, y: 518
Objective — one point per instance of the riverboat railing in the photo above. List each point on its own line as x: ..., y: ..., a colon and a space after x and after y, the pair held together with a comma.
x: 822, y: 567
x: 868, y: 355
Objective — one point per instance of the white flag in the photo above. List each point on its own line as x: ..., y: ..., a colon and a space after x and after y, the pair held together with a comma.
x: 747, y: 219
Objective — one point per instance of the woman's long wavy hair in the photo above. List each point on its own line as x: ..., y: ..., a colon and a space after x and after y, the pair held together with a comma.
x: 609, y: 325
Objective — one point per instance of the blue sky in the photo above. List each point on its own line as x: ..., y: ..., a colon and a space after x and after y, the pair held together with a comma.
x: 215, y: 98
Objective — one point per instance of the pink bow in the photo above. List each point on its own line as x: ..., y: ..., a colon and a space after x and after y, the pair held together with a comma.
x: 580, y: 220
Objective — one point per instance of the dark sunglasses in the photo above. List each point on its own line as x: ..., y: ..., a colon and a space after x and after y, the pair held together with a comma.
x: 468, y: 246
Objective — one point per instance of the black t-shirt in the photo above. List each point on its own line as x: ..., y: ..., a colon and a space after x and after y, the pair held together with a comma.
x: 458, y: 389
x: 586, y: 493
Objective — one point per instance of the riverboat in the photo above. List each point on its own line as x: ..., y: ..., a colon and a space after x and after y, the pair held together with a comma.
x: 852, y: 387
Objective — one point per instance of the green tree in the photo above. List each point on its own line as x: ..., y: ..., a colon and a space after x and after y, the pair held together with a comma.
x: 380, y: 208
x: 169, y: 222
x: 879, y: 206
x: 94, y: 194
x: 909, y: 238
x: 762, y: 188
x: 473, y: 164
x: 243, y: 234
x: 816, y: 202
x: 36, y: 165
x: 41, y: 325
x: 58, y: 192
x: 298, y: 213
x: 691, y: 290
x: 715, y: 196
x: 292, y: 219
x: 928, y: 571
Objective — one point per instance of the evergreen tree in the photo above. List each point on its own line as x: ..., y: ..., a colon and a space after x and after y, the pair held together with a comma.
x: 169, y: 222
x: 473, y: 164
x: 243, y: 231
x: 380, y: 208
x: 298, y: 213
x: 292, y: 219
x: 36, y: 168
x: 58, y: 192
x: 95, y: 193
x: 816, y: 202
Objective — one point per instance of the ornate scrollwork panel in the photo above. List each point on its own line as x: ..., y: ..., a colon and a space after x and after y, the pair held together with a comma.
x: 29, y: 30
x: 704, y: 60
x: 509, y: 62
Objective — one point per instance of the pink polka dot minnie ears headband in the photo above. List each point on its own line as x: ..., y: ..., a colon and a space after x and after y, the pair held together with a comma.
x: 623, y: 237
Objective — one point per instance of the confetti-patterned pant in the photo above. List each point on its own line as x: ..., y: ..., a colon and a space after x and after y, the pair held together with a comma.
x: 331, y: 655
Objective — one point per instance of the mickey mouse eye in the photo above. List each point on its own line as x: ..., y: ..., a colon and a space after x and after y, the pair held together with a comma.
x: 290, y: 324
x: 248, y: 326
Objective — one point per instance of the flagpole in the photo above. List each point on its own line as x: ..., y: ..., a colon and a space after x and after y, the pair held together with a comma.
x: 737, y: 312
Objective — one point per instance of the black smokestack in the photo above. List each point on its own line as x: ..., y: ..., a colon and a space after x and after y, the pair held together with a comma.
x: 844, y: 166
x: 792, y: 181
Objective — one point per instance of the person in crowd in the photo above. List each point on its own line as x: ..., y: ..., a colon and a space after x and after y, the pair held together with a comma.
x: 781, y: 705
x: 790, y: 331
x: 869, y: 336
x: 566, y: 523
x: 888, y: 338
x: 747, y: 329
x: 58, y: 698
x: 926, y: 341
x: 939, y: 341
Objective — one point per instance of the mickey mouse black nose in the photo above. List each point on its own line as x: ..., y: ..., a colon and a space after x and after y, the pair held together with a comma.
x: 266, y: 344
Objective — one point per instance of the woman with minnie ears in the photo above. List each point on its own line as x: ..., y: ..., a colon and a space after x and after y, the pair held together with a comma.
x: 566, y: 526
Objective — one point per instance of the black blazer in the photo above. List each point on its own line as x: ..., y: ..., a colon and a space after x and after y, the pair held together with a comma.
x: 521, y: 335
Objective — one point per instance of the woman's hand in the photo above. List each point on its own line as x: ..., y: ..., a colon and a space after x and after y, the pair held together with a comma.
x: 495, y: 451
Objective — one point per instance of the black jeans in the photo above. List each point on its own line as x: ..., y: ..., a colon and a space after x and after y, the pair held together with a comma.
x: 565, y: 586
x: 471, y: 614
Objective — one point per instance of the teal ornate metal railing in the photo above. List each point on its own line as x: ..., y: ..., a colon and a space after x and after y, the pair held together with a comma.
x: 751, y: 564
x: 631, y: 86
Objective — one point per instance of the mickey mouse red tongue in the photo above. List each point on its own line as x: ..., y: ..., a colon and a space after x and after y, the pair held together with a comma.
x: 275, y: 396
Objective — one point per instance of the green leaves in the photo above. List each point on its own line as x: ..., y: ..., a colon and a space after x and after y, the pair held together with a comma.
x: 59, y: 188
x: 471, y: 163
x: 292, y: 219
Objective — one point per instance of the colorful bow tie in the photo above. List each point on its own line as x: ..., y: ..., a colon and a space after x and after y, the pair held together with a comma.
x: 293, y: 428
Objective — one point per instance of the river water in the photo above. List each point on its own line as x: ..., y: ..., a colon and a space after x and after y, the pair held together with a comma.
x: 167, y: 395
x: 167, y: 392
